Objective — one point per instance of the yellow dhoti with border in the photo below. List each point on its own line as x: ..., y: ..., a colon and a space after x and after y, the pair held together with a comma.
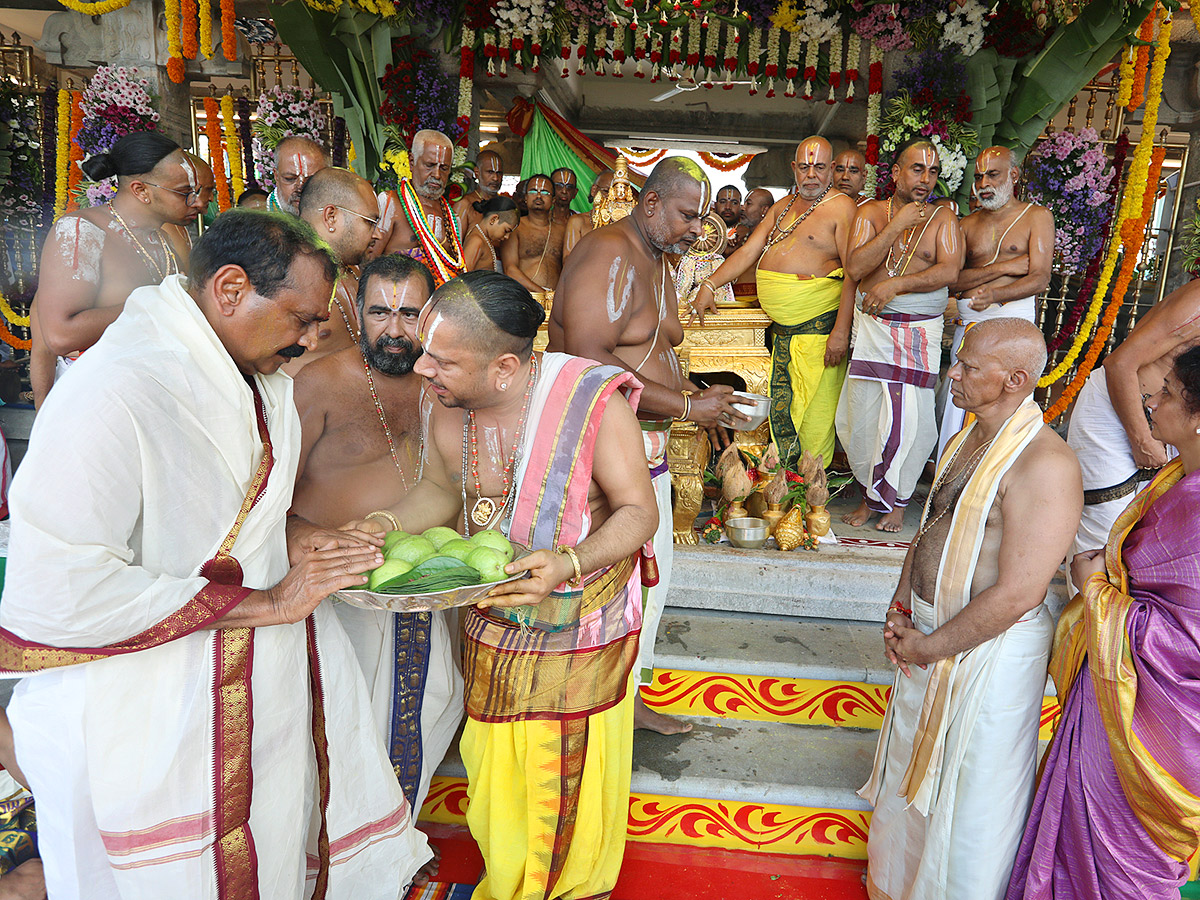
x: 804, y: 391
x: 548, y: 742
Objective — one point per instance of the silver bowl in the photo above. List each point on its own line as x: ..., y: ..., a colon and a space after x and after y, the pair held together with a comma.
x: 748, y: 533
x: 756, y: 406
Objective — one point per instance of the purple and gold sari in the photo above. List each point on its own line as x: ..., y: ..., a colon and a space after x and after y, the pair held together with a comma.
x: 1117, y: 812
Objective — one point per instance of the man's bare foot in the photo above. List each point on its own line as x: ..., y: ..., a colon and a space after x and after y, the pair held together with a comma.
x: 859, y: 517
x: 892, y: 521
x: 25, y: 882
x: 427, y: 872
x: 645, y: 717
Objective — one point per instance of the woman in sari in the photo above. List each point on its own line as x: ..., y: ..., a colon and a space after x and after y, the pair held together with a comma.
x: 1117, y: 812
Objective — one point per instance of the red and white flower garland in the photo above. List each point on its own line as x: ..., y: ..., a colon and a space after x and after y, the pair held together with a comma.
x: 874, y: 111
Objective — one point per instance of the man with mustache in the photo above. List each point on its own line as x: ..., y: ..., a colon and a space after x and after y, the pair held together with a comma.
x: 1010, y: 246
x: 616, y: 304
x: 905, y: 253
x: 533, y: 254
x: 798, y: 256
x: 489, y: 170
x: 93, y: 258
x: 850, y: 174
x: 341, y: 206
x: 416, y: 219
x: 361, y: 451
x: 297, y: 159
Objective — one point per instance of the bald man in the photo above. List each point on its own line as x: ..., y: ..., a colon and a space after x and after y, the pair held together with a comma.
x: 906, y: 254
x: 1010, y: 247
x: 341, y: 206
x: 581, y: 223
x: 798, y: 254
x: 616, y: 304
x: 297, y: 159
x: 850, y: 174
x: 489, y: 170
x: 969, y: 629
x: 435, y: 236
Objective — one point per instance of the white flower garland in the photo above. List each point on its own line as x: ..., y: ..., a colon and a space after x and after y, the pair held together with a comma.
x: 962, y: 27
x: 811, y: 58
x: 772, y: 58
x: 712, y: 40
x: 874, y: 114
x: 581, y: 36
x: 821, y: 22
x: 792, y: 62
x: 599, y: 43
x: 693, y: 49
x: 853, y: 58
x: 754, y: 51
x: 523, y: 17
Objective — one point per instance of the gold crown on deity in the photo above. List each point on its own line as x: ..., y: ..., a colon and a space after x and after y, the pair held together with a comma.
x: 618, y: 202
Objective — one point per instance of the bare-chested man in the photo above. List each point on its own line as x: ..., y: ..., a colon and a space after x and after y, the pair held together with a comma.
x: 969, y: 628
x: 435, y: 236
x: 341, y: 206
x: 489, y: 170
x: 581, y: 223
x: 533, y: 254
x: 728, y: 207
x: 1010, y: 246
x: 754, y: 209
x: 360, y: 451
x: 566, y: 186
x: 798, y: 254
x: 906, y: 252
x: 297, y: 159
x: 94, y: 258
x: 850, y: 174
x: 616, y: 304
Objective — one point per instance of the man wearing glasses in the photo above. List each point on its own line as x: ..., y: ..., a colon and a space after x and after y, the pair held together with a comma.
x: 489, y: 169
x: 533, y: 253
x: 297, y: 159
x: 342, y: 208
x: 566, y: 186
x: 94, y: 258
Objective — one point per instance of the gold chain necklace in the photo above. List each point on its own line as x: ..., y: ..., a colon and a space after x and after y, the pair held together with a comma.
x: 488, y: 244
x: 778, y: 233
x: 970, y: 466
x: 169, y: 254
x: 387, y: 431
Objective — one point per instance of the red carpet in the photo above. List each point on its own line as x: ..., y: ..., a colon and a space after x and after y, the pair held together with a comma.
x: 669, y: 872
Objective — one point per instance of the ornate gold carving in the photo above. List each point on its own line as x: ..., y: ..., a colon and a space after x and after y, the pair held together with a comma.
x: 687, y: 453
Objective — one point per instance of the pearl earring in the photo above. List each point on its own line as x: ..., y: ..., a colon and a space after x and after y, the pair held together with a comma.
x: 504, y: 387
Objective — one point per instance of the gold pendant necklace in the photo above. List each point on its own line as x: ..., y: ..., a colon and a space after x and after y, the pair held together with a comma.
x: 168, y: 254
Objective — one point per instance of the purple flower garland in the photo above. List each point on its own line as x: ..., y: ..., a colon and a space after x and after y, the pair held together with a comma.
x: 338, y: 152
x: 246, y: 139
x: 49, y: 151
x: 1084, y: 297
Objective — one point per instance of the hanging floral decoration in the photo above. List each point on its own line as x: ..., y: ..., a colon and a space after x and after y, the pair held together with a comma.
x: 1137, y: 90
x: 233, y: 147
x: 117, y: 101
x: 282, y: 112
x: 853, y: 55
x: 74, y: 173
x: 7, y: 336
x: 206, y: 29
x: 416, y: 95
x: 725, y: 162
x: 1070, y: 174
x: 49, y: 152
x: 216, y: 151
x: 63, y: 157
x: 21, y: 192
x: 874, y: 115
x: 643, y: 157
x: 246, y: 141
x: 1127, y: 233
x: 962, y: 26
x: 228, y: 30
x: 175, y: 65
x: 188, y: 28
x: 95, y: 9
x: 10, y: 314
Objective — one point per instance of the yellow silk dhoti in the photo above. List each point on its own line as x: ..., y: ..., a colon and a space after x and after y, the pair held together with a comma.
x: 804, y: 391
x: 523, y: 766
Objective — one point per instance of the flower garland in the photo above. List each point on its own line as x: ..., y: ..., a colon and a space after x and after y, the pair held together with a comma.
x: 725, y: 163
x: 466, y: 81
x: 1135, y: 188
x: 754, y: 51
x: 63, y: 158
x: 246, y: 141
x: 206, y: 31
x: 74, y: 173
x: 853, y: 55
x: 175, y: 66
x: 188, y: 12
x: 874, y: 114
x: 771, y: 66
x: 95, y: 9
x: 1132, y: 236
x: 1083, y: 298
x: 962, y: 27
x: 1137, y: 90
x: 216, y: 154
x: 11, y: 314
x: 21, y: 192
x: 1125, y: 91
x: 13, y: 341
x: 50, y: 154
x: 228, y: 31
x: 232, y: 145
x: 446, y: 263
x: 837, y: 62
x: 711, y: 44
x: 693, y: 50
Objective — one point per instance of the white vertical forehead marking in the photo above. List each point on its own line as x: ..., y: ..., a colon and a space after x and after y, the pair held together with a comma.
x: 189, y: 170
x: 928, y: 156
x: 705, y: 187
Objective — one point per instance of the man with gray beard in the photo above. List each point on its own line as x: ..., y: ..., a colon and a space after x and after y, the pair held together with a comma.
x: 1010, y: 245
x: 361, y: 451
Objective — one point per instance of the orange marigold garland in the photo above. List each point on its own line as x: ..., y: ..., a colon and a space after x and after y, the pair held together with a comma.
x: 228, y: 31
x: 12, y: 340
x: 175, y: 67
x: 1137, y: 93
x: 188, y: 27
x: 1133, y: 235
x: 74, y: 173
x: 216, y: 153
x: 727, y: 164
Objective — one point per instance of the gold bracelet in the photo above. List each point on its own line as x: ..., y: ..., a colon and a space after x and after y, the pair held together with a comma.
x: 574, y: 557
x: 387, y: 516
x: 712, y: 287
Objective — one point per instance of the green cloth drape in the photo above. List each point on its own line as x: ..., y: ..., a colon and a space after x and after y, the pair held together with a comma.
x: 545, y: 151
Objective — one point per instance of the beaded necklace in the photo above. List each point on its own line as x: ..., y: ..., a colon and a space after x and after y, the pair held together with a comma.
x: 970, y: 466
x: 484, y: 511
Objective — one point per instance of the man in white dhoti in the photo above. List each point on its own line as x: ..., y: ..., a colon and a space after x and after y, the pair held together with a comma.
x: 361, y: 451
x: 185, y: 667
x: 1010, y: 245
x: 905, y: 253
x: 970, y: 631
